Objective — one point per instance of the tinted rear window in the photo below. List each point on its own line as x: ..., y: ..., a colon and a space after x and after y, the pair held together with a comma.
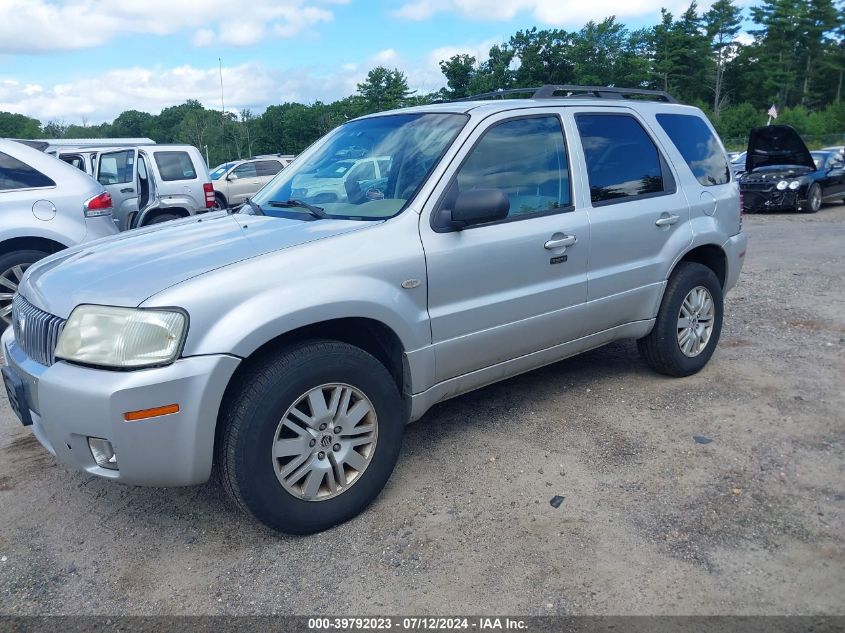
x: 15, y: 174
x: 175, y: 166
x: 622, y: 160
x: 698, y: 146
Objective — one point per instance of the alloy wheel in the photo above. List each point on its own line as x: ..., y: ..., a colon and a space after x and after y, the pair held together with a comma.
x: 9, y: 281
x: 324, y: 442
x: 695, y: 321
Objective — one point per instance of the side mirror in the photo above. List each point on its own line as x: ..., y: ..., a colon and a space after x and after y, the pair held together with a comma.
x: 232, y: 176
x: 479, y: 206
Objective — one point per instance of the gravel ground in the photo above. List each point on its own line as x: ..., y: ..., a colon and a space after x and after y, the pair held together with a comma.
x: 652, y: 522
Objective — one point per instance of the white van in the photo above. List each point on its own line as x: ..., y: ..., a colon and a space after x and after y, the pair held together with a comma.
x: 148, y: 183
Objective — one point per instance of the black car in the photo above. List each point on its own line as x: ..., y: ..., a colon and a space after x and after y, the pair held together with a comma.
x: 781, y: 174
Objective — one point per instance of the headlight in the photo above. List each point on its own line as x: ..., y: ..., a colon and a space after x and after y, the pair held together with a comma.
x: 782, y: 185
x: 794, y: 184
x: 122, y: 337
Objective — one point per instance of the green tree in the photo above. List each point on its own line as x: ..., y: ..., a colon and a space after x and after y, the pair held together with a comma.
x: 722, y: 22
x: 459, y: 71
x: 384, y: 89
x: 19, y: 126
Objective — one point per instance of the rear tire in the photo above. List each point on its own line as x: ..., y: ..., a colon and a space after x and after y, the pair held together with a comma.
x: 685, y: 334
x: 162, y: 217
x: 265, y: 441
x: 12, y: 267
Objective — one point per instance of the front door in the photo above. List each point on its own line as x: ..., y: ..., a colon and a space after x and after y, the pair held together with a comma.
x: 117, y: 171
x: 243, y: 182
x: 502, y: 290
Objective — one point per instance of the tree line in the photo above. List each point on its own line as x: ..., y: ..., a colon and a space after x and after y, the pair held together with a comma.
x: 794, y: 59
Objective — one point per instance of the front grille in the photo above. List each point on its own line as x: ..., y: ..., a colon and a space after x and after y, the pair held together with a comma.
x: 36, y: 331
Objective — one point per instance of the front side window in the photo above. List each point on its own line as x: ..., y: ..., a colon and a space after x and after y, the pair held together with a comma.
x: 326, y: 176
x: 175, y: 165
x: 15, y: 174
x: 116, y: 167
x: 247, y: 170
x: 524, y: 158
x: 622, y: 160
x: 699, y: 147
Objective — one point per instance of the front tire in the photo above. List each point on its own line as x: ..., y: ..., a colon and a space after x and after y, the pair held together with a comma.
x: 310, y: 436
x: 12, y: 267
x: 814, y: 199
x: 688, y: 324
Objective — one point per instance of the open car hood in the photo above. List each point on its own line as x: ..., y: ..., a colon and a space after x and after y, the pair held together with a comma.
x: 776, y: 145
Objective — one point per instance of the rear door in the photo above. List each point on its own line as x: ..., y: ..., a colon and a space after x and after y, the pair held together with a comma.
x: 639, y: 217
x: 266, y: 170
x: 117, y: 171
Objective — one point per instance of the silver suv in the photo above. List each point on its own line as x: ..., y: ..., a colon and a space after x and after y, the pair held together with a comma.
x: 237, y: 180
x: 290, y: 343
x: 148, y: 183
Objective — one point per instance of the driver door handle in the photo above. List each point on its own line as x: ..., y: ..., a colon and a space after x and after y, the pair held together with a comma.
x: 127, y: 190
x: 667, y: 220
x: 561, y: 242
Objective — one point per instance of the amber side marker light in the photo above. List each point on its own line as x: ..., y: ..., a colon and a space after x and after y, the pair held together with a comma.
x: 144, y: 414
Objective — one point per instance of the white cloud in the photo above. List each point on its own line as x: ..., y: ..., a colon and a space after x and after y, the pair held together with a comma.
x: 102, y: 96
x: 572, y: 13
x: 37, y: 26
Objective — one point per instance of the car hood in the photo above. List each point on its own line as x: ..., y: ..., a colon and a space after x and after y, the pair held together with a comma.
x: 776, y: 145
x: 129, y: 268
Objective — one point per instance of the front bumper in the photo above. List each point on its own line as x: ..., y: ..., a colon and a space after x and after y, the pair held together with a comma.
x: 774, y: 200
x: 70, y: 403
x: 734, y: 249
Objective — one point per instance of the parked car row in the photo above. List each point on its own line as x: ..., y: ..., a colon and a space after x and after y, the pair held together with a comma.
x: 403, y: 259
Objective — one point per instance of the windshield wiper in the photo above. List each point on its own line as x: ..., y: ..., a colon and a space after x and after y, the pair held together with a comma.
x: 254, y: 206
x: 317, y: 212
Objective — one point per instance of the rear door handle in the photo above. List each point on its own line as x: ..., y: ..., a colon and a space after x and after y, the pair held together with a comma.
x: 127, y: 190
x: 667, y: 220
x: 561, y: 242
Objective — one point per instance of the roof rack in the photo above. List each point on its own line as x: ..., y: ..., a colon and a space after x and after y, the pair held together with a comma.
x: 575, y: 92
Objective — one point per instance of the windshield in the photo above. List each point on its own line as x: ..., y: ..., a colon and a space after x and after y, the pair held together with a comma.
x: 220, y: 170
x: 393, y: 155
x: 818, y: 159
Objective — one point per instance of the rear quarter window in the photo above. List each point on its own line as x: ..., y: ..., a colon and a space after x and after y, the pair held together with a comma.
x: 699, y: 147
x: 175, y: 165
x: 15, y: 174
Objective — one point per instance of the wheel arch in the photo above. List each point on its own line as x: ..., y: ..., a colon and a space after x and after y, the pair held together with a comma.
x: 370, y: 335
x: 710, y: 255
x: 35, y: 243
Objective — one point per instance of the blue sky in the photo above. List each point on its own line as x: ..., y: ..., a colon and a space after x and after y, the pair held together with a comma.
x: 75, y: 60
